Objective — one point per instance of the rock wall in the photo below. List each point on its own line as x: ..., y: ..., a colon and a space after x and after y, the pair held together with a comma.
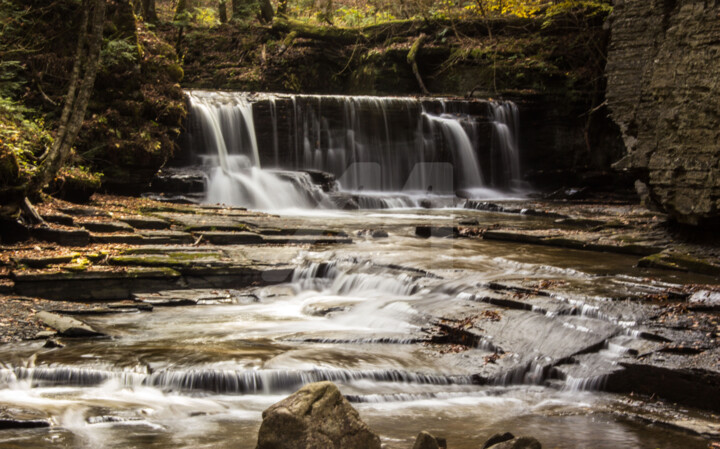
x: 663, y: 90
x: 553, y: 73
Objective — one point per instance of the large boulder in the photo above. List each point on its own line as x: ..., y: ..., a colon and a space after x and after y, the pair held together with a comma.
x: 315, y: 417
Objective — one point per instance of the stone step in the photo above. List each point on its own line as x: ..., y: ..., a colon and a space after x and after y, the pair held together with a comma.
x: 146, y: 223
x: 61, y: 219
x: 93, y: 285
x: 78, y: 211
x: 63, y: 237
x: 230, y: 238
x: 306, y: 240
x: 42, y: 262
x: 145, y: 238
x: 120, y: 283
x: 565, y: 241
x: 106, y: 226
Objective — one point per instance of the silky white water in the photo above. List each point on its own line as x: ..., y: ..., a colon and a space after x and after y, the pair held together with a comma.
x: 386, y: 152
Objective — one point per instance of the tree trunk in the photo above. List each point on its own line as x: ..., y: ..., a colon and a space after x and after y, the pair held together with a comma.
x: 282, y: 7
x: 328, y: 11
x: 266, y: 11
x: 183, y: 8
x: 78, y: 95
x: 412, y: 60
x: 149, y: 12
x: 222, y: 11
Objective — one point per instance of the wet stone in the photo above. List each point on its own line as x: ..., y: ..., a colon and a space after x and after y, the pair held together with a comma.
x: 498, y: 438
x: 9, y: 423
x: 123, y: 239
x: 306, y: 240
x: 670, y: 260
x: 705, y: 300
x: 84, y: 211
x: 164, y: 237
x: 53, y: 344
x: 144, y: 223
x: 61, y: 219
x: 42, y: 262
x: 315, y: 416
x: 169, y: 260
x: 45, y: 334
x: 425, y: 440
x: 63, y: 237
x: 177, y: 298
x: 436, y: 231
x: 106, y: 226
x: 518, y: 443
x: 231, y: 238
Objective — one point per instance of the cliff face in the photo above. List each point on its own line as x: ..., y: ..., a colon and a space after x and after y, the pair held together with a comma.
x: 663, y: 90
x: 551, y: 72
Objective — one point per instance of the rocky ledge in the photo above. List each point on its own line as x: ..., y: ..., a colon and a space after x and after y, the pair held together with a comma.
x: 665, y: 102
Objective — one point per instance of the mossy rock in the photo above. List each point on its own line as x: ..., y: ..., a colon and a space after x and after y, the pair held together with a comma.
x: 75, y: 184
x: 175, y: 72
x: 680, y: 262
x: 9, y: 167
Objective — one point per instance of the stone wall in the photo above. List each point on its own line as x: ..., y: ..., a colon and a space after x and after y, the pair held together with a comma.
x: 663, y: 90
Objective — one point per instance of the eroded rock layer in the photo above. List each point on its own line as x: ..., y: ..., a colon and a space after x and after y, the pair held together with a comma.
x: 664, y: 93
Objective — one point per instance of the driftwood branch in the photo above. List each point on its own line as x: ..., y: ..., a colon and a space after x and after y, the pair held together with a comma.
x: 412, y: 60
x: 321, y: 33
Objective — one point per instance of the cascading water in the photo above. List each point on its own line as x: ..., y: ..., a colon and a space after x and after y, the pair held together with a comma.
x: 506, y: 129
x: 227, y: 127
x: 372, y: 145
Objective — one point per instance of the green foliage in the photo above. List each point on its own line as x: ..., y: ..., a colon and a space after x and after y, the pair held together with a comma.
x: 10, y: 83
x: 363, y: 16
x: 518, y: 8
x: 21, y: 136
x: 119, y: 53
x: 587, y: 8
x: 205, y: 17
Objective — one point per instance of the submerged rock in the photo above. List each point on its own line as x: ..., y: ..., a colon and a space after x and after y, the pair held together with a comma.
x: 315, y: 417
x: 497, y: 439
x: 425, y: 440
x: 517, y: 443
x: 9, y: 423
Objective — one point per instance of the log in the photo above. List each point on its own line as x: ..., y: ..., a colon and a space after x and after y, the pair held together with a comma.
x: 321, y: 33
x: 68, y: 327
x: 412, y: 60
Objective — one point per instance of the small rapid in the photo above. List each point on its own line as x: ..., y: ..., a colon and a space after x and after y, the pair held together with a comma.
x: 463, y: 338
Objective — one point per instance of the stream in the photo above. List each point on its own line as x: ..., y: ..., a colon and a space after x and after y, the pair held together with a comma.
x: 361, y: 316
x: 463, y: 338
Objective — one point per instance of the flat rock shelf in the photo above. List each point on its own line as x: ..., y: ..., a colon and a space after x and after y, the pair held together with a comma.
x: 460, y: 322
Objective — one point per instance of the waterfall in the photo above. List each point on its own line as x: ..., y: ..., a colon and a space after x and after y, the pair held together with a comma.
x: 506, y: 129
x: 373, y: 146
x: 227, y: 126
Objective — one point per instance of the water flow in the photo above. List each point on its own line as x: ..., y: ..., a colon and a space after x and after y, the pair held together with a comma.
x: 506, y: 129
x: 201, y: 376
x: 226, y: 123
x: 370, y: 144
